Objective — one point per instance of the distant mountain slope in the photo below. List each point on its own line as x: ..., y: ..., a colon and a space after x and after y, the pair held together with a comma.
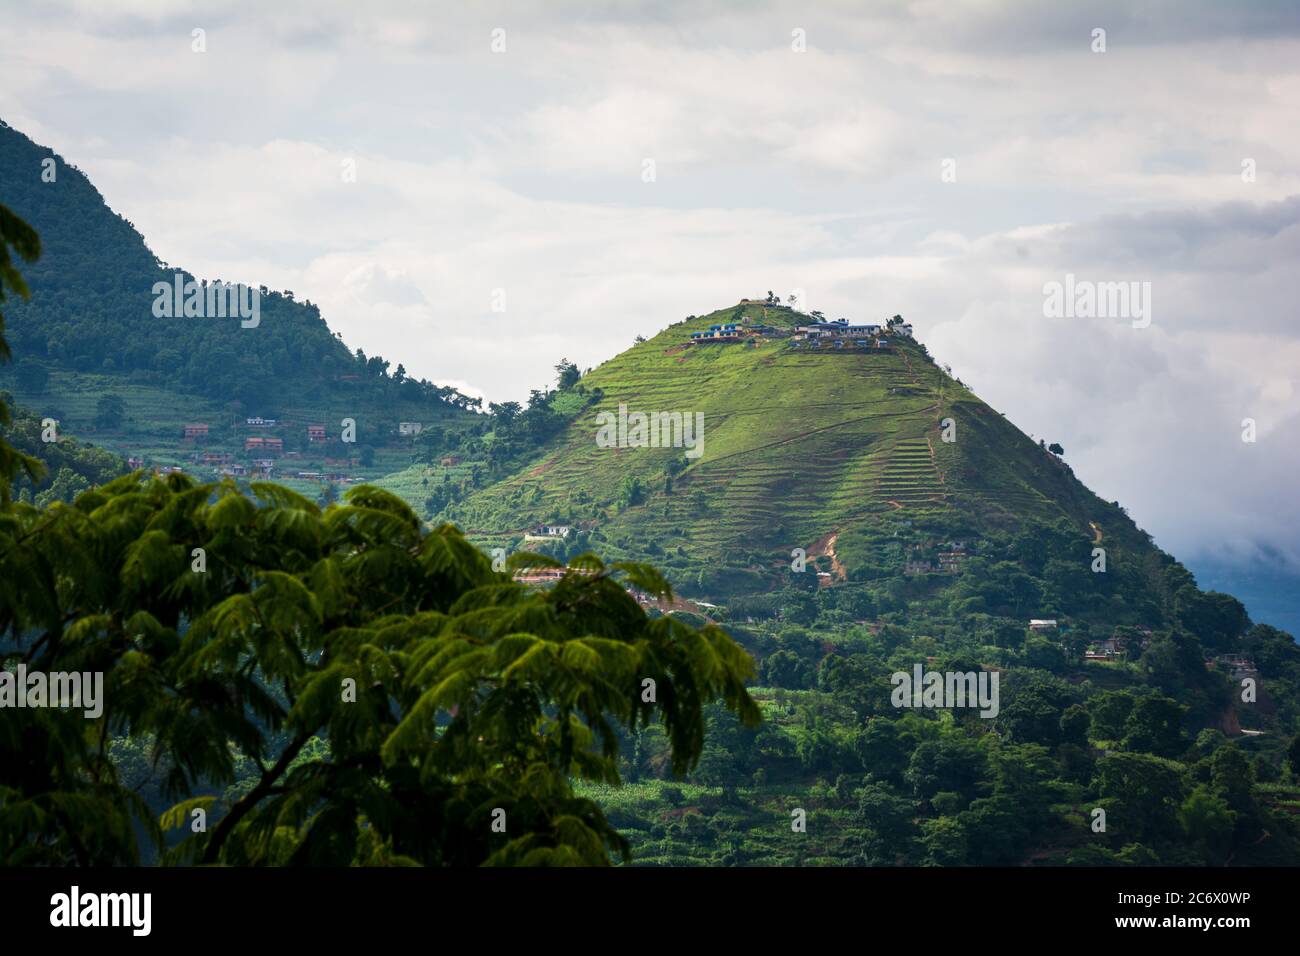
x: 800, y: 444
x: 91, y: 312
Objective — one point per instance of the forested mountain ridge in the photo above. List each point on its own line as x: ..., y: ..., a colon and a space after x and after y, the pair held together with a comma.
x: 91, y: 312
x: 184, y: 391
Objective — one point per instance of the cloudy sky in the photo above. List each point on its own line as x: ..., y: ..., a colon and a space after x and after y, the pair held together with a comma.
x: 611, y: 168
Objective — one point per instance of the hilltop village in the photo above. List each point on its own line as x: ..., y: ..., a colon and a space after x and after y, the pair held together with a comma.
x: 820, y: 332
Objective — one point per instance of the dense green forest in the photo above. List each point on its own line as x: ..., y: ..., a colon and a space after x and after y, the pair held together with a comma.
x: 1158, y: 737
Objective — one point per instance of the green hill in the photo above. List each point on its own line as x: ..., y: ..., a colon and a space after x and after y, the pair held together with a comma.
x: 855, y: 512
x: 89, y: 332
x: 802, y: 444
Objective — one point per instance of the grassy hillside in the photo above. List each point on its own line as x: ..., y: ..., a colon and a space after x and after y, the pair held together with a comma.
x: 802, y: 445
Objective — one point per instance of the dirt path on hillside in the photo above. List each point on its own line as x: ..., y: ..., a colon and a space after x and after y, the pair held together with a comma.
x: 934, y: 462
x: 825, y: 545
x: 938, y: 418
x: 907, y: 360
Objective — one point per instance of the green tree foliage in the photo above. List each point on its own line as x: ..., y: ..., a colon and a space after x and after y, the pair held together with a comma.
x: 1145, y: 793
x: 882, y: 749
x: 891, y: 819
x: 568, y: 374
x: 632, y: 492
x: 945, y: 842
x: 1155, y: 726
x: 952, y: 763
x: 1033, y: 713
x: 786, y: 669
x: 1074, y: 725
x: 1109, y: 712
x: 445, y: 692
x: 1218, y: 620
x: 1207, y: 820
x: 1231, y: 776
x: 110, y: 411
x: 65, y: 467
x: 17, y: 239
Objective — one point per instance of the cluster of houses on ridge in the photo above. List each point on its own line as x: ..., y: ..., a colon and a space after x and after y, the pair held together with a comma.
x: 1126, y: 645
x: 844, y: 329
x: 728, y: 332
x: 315, y: 433
x: 836, y: 331
x: 262, y: 452
x: 1121, y: 644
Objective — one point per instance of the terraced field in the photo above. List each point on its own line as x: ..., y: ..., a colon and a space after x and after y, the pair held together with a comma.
x: 155, y: 420
x: 909, y: 475
x: 798, y: 443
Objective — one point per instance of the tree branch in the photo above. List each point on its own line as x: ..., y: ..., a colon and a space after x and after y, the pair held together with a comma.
x: 264, y: 788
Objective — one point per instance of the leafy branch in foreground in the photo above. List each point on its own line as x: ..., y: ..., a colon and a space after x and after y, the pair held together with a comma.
x: 232, y: 626
x: 22, y: 239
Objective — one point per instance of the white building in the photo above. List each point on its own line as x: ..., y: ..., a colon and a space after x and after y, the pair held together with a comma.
x: 550, y: 531
x: 837, y: 328
x: 409, y: 428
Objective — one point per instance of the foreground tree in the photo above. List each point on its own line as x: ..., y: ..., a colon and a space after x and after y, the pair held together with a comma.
x: 17, y: 240
x: 400, y: 701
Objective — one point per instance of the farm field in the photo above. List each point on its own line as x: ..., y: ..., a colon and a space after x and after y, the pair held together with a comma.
x: 799, y: 442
